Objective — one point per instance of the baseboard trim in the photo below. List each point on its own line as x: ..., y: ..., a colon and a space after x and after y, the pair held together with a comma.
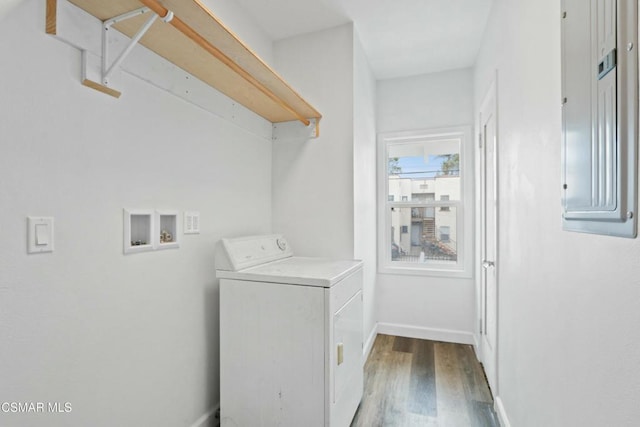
x: 476, y: 346
x: 368, y: 345
x: 446, y: 335
x: 208, y: 418
x: 502, y: 414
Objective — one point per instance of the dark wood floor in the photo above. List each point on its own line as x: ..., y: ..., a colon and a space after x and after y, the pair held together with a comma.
x: 412, y: 382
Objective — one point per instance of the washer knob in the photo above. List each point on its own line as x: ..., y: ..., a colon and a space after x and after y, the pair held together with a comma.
x: 282, y: 244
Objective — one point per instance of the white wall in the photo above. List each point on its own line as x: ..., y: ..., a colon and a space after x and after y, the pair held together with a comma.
x: 238, y: 21
x: 426, y: 101
x: 313, y: 190
x: 430, y: 307
x: 568, y: 302
x: 7, y: 5
x: 364, y: 171
x: 127, y: 340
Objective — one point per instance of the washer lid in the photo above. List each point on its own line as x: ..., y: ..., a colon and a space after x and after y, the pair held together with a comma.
x: 297, y: 271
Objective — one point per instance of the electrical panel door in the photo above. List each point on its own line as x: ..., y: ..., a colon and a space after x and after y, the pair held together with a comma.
x: 599, y: 116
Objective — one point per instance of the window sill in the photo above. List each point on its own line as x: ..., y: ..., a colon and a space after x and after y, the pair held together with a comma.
x: 432, y: 271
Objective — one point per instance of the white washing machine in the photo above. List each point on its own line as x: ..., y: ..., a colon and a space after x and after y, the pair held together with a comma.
x: 290, y: 336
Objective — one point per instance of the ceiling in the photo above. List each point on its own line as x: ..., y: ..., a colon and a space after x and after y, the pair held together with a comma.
x: 400, y: 37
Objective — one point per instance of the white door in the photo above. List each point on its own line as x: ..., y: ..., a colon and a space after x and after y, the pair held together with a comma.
x: 489, y: 237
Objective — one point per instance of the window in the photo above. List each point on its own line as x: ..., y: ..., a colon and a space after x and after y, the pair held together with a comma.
x: 444, y: 198
x: 444, y: 233
x: 425, y: 213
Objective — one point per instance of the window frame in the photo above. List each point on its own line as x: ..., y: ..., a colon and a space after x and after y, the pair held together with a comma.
x: 463, y: 267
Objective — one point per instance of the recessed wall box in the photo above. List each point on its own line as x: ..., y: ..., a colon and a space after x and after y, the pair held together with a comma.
x: 167, y: 231
x: 138, y: 227
x: 599, y: 116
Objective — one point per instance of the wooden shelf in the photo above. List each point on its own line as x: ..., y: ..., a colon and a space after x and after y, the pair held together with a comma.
x: 211, y: 52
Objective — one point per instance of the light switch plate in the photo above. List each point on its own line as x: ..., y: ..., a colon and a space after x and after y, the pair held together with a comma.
x: 191, y: 223
x: 39, y: 234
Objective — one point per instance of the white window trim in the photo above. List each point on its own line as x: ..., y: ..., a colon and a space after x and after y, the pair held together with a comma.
x: 463, y: 268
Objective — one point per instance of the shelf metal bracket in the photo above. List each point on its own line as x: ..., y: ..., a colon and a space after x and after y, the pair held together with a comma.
x: 107, y: 69
x: 296, y: 131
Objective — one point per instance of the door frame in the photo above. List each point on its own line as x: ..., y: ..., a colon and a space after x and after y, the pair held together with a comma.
x: 490, y: 97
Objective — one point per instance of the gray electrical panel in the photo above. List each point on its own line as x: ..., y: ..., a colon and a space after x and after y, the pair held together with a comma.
x: 600, y: 116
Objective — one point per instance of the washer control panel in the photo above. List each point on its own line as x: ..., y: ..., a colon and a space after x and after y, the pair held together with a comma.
x: 244, y: 252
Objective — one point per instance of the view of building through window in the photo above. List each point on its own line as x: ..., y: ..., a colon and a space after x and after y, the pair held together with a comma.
x: 423, y: 191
